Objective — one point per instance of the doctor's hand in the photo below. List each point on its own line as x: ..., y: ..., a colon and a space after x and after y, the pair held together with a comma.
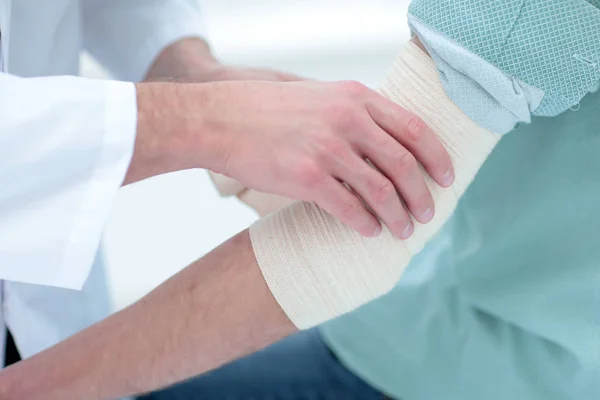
x: 302, y: 140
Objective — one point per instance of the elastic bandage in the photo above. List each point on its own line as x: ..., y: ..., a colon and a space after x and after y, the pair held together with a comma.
x: 317, y: 268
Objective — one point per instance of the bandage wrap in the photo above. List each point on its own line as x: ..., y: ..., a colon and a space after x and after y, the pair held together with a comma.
x: 316, y: 267
x: 261, y: 202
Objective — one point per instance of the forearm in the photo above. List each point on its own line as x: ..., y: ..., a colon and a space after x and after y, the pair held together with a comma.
x: 217, y: 309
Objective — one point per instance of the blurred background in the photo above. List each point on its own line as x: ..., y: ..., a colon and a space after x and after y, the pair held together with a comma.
x: 160, y: 225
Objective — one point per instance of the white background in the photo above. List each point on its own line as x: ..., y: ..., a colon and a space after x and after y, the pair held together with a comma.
x: 160, y: 225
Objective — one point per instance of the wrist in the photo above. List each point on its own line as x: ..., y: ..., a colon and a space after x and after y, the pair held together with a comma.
x: 177, y: 129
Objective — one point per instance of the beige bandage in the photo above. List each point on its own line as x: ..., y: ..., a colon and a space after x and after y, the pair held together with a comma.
x: 262, y: 203
x: 317, y: 268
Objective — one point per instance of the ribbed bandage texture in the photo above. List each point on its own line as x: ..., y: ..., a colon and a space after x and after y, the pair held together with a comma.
x: 317, y: 268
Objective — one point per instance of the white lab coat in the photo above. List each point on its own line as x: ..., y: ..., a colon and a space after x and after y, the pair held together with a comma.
x: 65, y: 145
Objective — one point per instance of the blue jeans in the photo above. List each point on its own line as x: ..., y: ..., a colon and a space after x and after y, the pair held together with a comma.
x: 300, y: 367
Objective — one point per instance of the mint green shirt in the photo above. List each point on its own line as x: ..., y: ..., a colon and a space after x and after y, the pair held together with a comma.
x: 505, y: 302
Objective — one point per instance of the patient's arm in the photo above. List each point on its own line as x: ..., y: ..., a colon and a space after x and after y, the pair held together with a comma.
x: 316, y: 268
x: 217, y: 309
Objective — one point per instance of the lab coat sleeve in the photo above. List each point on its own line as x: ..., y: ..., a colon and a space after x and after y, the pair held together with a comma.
x: 127, y: 35
x: 65, y: 147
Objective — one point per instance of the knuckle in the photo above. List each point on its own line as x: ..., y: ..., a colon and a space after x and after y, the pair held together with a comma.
x: 310, y: 174
x: 336, y: 149
x: 330, y: 151
x: 384, y: 193
x: 415, y: 128
x: 353, y: 88
x: 406, y: 162
x: 378, y: 139
x: 351, y: 210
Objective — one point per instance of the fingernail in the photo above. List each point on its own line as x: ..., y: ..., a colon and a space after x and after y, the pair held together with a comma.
x: 427, y: 215
x: 448, y: 177
x: 407, y: 231
x: 377, y: 231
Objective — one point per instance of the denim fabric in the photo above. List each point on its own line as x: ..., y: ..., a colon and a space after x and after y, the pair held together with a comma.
x: 298, y: 368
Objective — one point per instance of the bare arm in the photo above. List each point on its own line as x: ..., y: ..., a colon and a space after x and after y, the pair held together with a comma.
x: 217, y: 309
